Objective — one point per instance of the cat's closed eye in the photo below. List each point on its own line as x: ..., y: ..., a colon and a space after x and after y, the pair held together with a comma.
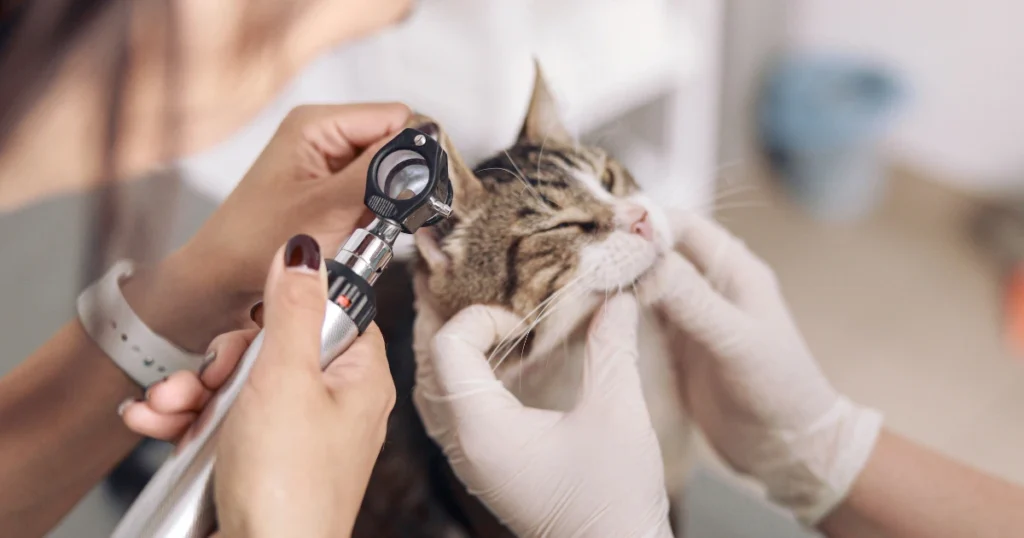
x: 607, y: 180
x: 584, y: 226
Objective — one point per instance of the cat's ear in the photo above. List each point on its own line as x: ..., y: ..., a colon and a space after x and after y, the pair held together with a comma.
x: 428, y: 244
x: 542, y: 121
x: 465, y: 185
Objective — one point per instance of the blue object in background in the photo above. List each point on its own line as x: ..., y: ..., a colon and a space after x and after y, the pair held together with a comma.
x: 820, y: 121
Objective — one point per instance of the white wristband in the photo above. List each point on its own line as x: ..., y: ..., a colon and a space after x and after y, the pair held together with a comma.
x: 110, y: 321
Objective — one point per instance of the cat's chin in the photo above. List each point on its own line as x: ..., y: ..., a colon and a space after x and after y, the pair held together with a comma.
x: 627, y: 285
x: 617, y: 263
x: 623, y: 279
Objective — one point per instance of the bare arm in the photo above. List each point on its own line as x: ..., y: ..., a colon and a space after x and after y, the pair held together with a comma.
x: 173, y: 102
x: 58, y: 409
x: 908, y: 491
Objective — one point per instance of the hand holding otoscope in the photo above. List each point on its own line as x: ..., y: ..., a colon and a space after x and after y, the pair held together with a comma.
x: 407, y: 188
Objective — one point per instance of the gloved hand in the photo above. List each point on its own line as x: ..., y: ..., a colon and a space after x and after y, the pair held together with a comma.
x: 748, y: 378
x: 594, y: 471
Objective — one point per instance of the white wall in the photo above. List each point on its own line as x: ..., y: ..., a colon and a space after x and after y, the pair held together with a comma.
x: 755, y: 34
x: 965, y: 61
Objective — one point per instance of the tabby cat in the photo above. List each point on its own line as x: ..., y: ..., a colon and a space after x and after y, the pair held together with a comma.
x: 548, y: 229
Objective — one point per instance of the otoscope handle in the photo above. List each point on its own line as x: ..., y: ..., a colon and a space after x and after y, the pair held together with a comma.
x: 178, y: 501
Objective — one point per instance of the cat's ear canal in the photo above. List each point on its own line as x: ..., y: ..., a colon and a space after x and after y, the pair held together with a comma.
x: 543, y: 123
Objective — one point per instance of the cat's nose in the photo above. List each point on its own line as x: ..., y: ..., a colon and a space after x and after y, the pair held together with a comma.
x: 638, y: 222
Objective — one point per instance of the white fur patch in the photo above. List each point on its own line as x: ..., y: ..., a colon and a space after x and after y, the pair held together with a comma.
x: 617, y: 261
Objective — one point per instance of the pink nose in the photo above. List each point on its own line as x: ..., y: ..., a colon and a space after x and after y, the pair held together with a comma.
x: 636, y: 217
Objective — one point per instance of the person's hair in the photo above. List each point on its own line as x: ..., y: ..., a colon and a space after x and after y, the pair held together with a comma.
x: 36, y: 39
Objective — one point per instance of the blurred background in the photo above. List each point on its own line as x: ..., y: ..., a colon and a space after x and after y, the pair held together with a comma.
x: 870, y: 150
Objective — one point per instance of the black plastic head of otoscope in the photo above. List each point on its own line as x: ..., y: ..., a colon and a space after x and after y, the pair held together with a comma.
x: 408, y: 181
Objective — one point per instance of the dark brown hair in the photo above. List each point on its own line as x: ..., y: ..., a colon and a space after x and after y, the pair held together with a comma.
x: 36, y: 38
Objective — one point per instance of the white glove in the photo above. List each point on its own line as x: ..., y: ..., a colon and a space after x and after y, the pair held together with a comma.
x: 749, y: 380
x: 594, y: 471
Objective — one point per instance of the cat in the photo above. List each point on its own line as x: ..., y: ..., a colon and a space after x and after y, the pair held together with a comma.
x: 547, y: 229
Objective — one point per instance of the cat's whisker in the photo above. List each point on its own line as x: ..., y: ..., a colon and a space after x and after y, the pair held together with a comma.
x: 561, y: 329
x: 544, y: 308
x: 515, y: 329
x: 526, y: 184
x: 730, y: 188
x: 749, y: 204
x: 554, y: 296
x: 522, y: 176
x: 533, y: 325
x: 742, y: 204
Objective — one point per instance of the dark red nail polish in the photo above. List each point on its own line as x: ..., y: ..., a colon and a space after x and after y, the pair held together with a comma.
x: 302, y: 251
x: 256, y: 313
x: 207, y: 361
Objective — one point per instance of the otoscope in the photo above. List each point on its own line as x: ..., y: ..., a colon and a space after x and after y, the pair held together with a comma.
x: 407, y: 187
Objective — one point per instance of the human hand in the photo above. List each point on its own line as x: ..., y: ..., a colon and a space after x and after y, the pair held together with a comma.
x: 296, y: 450
x: 309, y: 179
x: 747, y: 377
x: 594, y: 471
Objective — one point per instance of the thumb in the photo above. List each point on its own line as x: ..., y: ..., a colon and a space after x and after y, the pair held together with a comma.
x: 466, y: 381
x: 688, y: 301
x: 609, y: 367
x: 294, y: 305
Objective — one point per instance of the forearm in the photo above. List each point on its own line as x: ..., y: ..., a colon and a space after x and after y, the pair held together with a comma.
x: 908, y: 491
x: 59, y: 428
x: 61, y: 432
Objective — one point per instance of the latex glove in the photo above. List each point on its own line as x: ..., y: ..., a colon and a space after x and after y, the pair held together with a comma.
x: 594, y: 471
x: 748, y: 378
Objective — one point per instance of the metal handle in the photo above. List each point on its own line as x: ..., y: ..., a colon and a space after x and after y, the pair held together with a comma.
x: 178, y: 501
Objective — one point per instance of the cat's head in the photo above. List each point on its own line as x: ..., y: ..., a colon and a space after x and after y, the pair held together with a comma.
x: 546, y: 223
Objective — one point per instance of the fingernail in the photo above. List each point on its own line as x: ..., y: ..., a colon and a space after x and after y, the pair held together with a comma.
x: 302, y: 251
x: 256, y: 313
x: 207, y: 361
x: 145, y: 395
x: 123, y: 406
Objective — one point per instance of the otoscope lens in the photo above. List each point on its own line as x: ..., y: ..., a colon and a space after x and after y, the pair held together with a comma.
x: 403, y: 175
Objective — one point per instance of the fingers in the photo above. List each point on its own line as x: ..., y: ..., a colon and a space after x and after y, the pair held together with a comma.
x: 341, y: 132
x: 180, y: 392
x: 348, y: 184
x: 464, y: 383
x: 228, y: 349
x: 294, y: 305
x: 459, y: 346
x: 142, y: 419
x: 686, y: 298
x: 702, y: 240
x: 723, y: 259
x: 170, y: 405
x: 360, y: 378
x: 609, y: 367
x: 365, y: 360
